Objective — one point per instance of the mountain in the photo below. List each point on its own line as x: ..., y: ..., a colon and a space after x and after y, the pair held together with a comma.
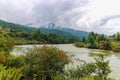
x: 77, y: 33
x: 15, y: 27
x: 48, y: 28
x: 62, y: 31
x: 58, y: 32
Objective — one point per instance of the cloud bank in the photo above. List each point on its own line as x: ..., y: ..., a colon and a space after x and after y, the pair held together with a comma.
x: 102, y: 16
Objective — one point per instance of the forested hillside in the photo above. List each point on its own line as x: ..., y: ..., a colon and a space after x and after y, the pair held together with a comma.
x: 63, y: 31
x: 58, y: 32
x: 100, y: 41
x: 28, y: 35
x: 15, y: 27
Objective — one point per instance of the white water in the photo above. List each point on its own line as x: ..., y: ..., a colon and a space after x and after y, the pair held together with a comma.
x: 81, y: 54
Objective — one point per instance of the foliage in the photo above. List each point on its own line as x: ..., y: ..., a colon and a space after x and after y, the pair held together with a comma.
x: 15, y: 61
x: 102, y: 66
x: 6, y: 43
x: 100, y: 41
x: 105, y: 45
x: 44, y: 63
x: 115, y: 37
x: 27, y: 35
x: 36, y: 37
x: 15, y: 27
x: 97, y: 70
x: 2, y: 58
x: 80, y: 71
x: 10, y: 73
x: 79, y: 44
x: 115, y: 46
x: 95, y: 41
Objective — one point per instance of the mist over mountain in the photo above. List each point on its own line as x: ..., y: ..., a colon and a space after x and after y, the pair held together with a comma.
x: 63, y: 31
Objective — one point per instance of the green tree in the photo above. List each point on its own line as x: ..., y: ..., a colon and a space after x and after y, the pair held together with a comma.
x: 83, y: 39
x: 118, y: 36
x: 36, y: 34
x: 92, y: 40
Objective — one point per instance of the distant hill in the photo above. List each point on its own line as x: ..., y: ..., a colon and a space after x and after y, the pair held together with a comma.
x: 77, y: 33
x: 58, y: 32
x: 48, y: 28
x: 67, y: 32
x: 16, y: 27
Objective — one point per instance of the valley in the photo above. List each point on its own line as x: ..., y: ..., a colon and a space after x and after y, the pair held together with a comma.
x: 55, y: 52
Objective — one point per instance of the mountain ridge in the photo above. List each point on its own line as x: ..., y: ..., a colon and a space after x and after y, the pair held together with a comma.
x: 48, y: 28
x: 51, y: 27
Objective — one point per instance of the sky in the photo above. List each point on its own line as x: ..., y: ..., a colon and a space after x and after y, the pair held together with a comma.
x: 101, y: 16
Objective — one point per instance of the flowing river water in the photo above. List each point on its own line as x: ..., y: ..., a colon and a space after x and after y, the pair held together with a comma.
x: 82, y: 54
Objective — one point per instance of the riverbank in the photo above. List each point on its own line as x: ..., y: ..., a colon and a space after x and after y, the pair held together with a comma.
x: 113, y: 45
x: 80, y: 53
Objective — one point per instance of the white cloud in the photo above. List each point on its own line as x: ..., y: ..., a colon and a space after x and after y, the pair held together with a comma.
x: 101, y: 16
x: 39, y: 12
x: 89, y: 15
x: 112, y: 26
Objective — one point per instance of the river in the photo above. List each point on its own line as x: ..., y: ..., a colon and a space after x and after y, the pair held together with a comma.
x: 81, y: 54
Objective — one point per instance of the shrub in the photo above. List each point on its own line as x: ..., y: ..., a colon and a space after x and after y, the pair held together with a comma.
x: 105, y: 45
x: 10, y: 73
x: 93, y: 45
x: 80, y: 44
x: 2, y: 58
x: 116, y: 46
x: 15, y: 61
x: 6, y: 44
x: 102, y: 67
x: 44, y: 63
x: 97, y: 70
x: 76, y: 73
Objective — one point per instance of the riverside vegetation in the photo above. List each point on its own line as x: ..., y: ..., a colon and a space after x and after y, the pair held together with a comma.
x: 45, y: 63
x: 100, y: 41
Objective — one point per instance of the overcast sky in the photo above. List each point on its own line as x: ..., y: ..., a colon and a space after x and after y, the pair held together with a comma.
x: 102, y: 16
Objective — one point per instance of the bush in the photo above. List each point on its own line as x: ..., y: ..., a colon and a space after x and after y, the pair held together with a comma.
x: 116, y: 46
x: 97, y: 70
x: 44, y: 63
x: 105, y: 45
x: 116, y: 49
x: 2, y: 58
x: 6, y: 44
x: 77, y: 73
x: 15, y: 61
x: 93, y: 45
x: 10, y: 73
x: 102, y: 67
x: 80, y: 44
